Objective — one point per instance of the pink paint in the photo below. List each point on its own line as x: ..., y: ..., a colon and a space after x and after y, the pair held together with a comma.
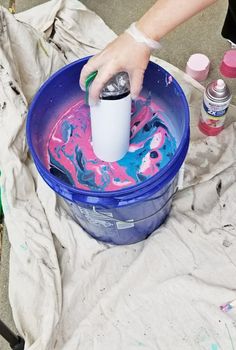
x: 71, y: 156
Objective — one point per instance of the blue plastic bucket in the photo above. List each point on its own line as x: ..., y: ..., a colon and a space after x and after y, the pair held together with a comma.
x: 128, y: 215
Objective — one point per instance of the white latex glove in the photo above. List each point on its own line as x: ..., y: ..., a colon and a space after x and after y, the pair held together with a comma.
x: 122, y: 54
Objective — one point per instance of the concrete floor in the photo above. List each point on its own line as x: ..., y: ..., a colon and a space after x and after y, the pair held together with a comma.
x: 200, y: 34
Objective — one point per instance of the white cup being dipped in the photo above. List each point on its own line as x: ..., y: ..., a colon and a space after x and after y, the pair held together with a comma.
x: 110, y: 120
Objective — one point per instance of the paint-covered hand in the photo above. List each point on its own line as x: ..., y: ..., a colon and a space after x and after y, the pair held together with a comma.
x: 122, y: 54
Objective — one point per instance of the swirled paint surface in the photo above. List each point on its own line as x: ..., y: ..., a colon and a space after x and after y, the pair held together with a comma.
x: 71, y: 157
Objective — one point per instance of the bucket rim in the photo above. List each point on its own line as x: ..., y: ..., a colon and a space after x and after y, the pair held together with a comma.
x: 119, y: 192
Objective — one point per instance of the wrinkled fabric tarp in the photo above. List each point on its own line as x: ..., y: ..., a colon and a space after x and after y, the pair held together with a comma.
x: 68, y: 291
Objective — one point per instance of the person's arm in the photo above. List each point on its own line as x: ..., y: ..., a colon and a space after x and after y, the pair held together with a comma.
x: 126, y: 54
x: 165, y: 15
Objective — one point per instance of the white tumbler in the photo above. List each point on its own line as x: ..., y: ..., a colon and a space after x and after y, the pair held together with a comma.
x: 110, y: 120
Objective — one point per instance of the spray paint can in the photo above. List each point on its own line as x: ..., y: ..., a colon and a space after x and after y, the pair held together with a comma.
x: 216, y: 100
x: 110, y: 119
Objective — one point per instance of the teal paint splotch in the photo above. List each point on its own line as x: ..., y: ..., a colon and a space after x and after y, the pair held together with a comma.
x: 214, y: 347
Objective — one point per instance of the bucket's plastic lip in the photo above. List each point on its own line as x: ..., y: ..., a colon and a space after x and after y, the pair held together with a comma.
x: 126, y: 190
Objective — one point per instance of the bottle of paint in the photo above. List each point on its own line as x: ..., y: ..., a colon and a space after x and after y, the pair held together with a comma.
x: 216, y: 100
x: 110, y: 119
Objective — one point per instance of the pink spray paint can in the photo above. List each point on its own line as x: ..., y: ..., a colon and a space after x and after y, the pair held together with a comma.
x: 216, y: 100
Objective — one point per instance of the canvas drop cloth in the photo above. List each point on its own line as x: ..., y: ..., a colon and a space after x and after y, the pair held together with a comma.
x: 68, y: 291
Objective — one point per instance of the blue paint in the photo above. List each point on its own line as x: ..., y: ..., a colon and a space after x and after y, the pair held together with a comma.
x: 133, y: 160
x: 67, y: 131
x: 59, y: 171
x: 105, y: 176
x: 84, y: 176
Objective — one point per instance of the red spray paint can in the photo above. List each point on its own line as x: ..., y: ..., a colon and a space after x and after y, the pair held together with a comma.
x: 216, y: 100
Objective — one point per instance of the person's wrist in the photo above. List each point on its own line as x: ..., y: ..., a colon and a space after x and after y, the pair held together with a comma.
x: 140, y: 37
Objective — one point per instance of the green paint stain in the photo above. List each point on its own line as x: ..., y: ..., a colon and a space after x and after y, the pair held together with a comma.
x: 23, y: 247
x: 214, y: 347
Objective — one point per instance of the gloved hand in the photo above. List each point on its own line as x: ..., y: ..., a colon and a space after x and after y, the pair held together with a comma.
x: 122, y: 54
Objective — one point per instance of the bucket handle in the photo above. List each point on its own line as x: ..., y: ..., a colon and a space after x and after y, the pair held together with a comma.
x: 139, y: 220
